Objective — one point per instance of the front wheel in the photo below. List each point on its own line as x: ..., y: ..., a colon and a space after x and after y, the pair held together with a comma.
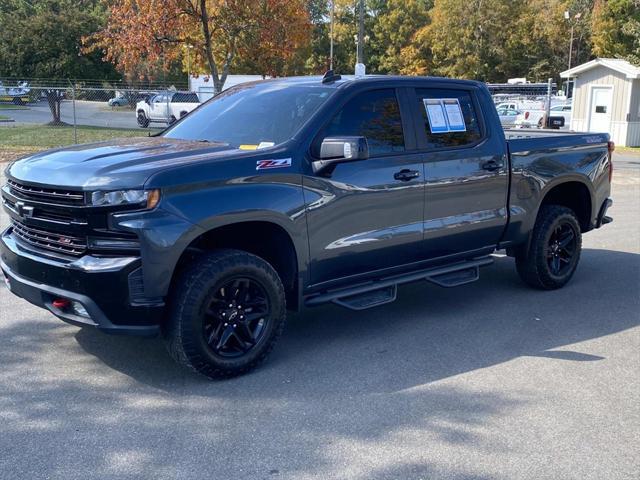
x: 143, y: 121
x: 554, y: 252
x: 226, y: 314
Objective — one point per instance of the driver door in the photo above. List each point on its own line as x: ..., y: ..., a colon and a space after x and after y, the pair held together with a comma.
x: 367, y: 215
x: 158, y: 107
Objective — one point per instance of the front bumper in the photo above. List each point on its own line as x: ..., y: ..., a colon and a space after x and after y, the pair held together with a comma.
x: 100, y: 284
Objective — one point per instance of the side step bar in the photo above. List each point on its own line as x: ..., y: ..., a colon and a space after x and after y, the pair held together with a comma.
x: 379, y: 292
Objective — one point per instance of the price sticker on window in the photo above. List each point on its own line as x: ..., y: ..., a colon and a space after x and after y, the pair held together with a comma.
x: 445, y: 115
x: 455, y: 119
x: 436, y: 115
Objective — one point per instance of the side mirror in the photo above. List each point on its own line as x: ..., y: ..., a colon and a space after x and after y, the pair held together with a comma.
x: 341, y: 149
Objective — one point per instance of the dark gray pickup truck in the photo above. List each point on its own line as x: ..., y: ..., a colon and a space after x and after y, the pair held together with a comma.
x: 290, y: 193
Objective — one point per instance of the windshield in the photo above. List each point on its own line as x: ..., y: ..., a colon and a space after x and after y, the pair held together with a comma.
x: 252, y: 116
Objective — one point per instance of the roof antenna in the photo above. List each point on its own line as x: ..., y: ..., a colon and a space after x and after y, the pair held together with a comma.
x: 330, y: 77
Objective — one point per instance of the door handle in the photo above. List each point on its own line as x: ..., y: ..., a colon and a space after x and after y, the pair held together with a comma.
x: 406, y: 175
x: 492, y: 165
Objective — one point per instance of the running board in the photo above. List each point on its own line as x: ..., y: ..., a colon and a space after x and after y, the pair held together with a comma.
x: 380, y: 292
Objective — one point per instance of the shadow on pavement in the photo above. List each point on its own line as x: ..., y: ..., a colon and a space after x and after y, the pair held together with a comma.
x: 430, y: 333
x: 337, y: 379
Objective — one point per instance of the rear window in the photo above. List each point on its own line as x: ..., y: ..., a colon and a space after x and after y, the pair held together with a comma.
x: 185, y: 98
x: 442, y: 137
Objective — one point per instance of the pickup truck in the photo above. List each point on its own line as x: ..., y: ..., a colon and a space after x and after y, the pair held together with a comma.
x: 165, y: 107
x: 531, y: 118
x: 290, y: 193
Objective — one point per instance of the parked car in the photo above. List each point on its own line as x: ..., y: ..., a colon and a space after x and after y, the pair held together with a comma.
x: 18, y: 95
x: 507, y: 116
x: 290, y: 193
x: 534, y: 117
x: 118, y: 101
x: 165, y: 107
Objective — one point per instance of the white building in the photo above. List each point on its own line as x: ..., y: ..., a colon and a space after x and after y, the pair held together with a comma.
x: 606, y: 98
x: 203, y: 84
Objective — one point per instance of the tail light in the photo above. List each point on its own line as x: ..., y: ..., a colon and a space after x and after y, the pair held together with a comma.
x: 526, y: 115
x: 611, y: 147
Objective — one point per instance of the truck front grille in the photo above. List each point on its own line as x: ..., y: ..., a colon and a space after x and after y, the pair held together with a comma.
x: 50, y: 195
x: 48, y: 240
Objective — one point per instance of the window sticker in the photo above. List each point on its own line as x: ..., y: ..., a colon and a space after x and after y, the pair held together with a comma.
x: 435, y: 113
x: 454, y: 115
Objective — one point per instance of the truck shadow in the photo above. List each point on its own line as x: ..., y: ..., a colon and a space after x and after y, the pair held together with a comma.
x: 429, y: 334
x: 338, y: 383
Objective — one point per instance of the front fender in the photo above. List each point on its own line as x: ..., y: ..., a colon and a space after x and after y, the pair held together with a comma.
x: 186, y: 213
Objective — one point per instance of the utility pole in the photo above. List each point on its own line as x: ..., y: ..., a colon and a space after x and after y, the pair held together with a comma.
x: 360, y: 55
x: 333, y: 6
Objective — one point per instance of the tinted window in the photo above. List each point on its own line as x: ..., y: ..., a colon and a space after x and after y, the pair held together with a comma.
x: 451, y: 139
x: 374, y: 114
x: 251, y: 114
x: 185, y: 98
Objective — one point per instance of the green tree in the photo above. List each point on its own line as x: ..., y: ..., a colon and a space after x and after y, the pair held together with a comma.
x: 616, y: 29
x: 42, y: 39
x: 394, y: 30
x: 469, y: 39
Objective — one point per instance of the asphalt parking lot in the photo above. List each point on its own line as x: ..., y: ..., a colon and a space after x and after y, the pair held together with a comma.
x: 492, y: 380
x: 95, y: 114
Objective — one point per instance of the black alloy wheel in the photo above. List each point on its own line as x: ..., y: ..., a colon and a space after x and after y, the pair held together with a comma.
x: 561, y: 249
x: 226, y: 312
x: 552, y: 255
x: 236, y: 317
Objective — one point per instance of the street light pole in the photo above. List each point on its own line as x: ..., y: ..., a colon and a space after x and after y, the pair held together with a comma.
x: 567, y: 17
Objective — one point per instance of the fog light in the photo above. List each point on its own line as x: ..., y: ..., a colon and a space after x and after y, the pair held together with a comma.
x: 79, y: 309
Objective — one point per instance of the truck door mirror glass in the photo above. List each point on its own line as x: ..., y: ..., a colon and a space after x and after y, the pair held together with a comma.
x: 341, y: 149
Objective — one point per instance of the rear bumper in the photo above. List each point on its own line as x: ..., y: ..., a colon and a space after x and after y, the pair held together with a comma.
x: 100, y: 285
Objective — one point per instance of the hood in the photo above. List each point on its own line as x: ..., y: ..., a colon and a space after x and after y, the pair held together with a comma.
x: 120, y: 163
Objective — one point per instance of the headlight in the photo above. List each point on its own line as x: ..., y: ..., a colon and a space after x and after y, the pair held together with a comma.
x: 147, y: 198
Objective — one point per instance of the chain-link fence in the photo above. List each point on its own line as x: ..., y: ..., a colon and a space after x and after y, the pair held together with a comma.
x: 532, y: 105
x: 48, y: 114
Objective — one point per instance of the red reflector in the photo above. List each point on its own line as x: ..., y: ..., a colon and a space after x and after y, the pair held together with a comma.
x: 526, y: 115
x: 61, y: 303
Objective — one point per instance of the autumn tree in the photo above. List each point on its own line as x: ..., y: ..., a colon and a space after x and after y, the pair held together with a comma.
x: 144, y: 35
x: 393, y: 31
x: 616, y: 29
x: 269, y: 49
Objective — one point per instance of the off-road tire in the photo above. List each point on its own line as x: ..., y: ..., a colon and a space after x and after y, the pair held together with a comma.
x: 142, y: 119
x: 533, y: 265
x: 184, y: 328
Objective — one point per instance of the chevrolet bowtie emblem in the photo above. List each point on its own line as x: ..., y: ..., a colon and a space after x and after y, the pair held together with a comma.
x: 24, y: 210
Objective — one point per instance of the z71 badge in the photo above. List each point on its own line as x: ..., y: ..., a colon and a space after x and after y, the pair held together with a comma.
x: 267, y: 164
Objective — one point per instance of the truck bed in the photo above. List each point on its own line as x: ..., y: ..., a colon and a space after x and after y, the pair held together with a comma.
x: 527, y: 139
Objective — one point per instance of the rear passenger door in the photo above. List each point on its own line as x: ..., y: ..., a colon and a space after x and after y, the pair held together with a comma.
x: 466, y: 173
x: 367, y: 215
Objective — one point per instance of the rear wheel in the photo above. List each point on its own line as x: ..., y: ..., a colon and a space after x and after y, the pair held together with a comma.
x: 554, y: 252
x: 226, y: 315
